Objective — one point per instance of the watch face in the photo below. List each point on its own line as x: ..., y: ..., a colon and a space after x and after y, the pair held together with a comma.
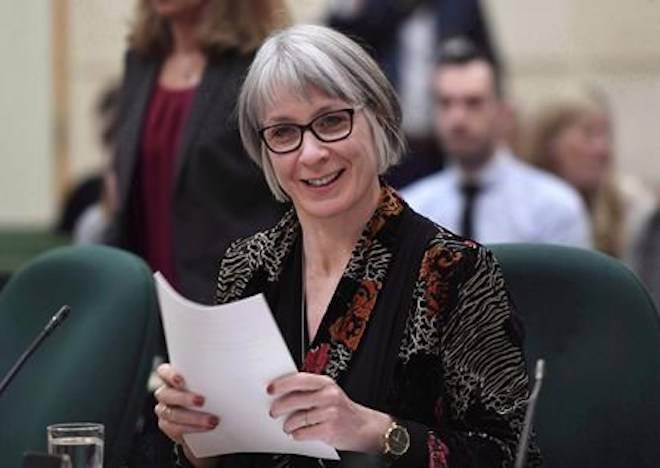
x: 398, y: 440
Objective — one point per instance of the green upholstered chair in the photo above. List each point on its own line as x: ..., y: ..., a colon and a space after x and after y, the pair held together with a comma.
x: 95, y: 366
x: 18, y: 246
x: 597, y: 329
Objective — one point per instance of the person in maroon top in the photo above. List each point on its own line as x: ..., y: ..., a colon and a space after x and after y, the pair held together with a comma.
x: 185, y: 188
x: 162, y: 135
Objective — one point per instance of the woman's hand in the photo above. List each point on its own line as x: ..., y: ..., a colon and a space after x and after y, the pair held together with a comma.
x: 319, y: 409
x: 174, y: 416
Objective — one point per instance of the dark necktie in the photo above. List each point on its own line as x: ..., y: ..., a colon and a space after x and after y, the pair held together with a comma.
x: 470, y: 190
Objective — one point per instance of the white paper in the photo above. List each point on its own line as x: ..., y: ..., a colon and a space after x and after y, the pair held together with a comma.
x: 230, y: 353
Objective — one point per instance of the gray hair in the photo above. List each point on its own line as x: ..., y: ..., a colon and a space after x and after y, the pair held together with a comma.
x: 307, y: 55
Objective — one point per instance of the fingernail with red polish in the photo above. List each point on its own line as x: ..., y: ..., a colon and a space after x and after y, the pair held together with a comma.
x: 198, y: 400
x: 214, y: 421
x: 270, y: 389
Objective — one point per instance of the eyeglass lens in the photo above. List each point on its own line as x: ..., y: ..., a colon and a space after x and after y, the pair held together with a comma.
x: 328, y: 127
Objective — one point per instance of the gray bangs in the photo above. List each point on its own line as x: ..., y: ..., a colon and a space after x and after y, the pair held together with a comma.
x: 295, y: 66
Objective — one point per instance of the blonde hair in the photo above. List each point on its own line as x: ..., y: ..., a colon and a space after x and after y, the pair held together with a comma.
x: 605, y: 204
x: 224, y: 25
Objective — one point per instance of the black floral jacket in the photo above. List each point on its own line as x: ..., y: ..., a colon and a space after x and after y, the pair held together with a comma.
x: 459, y: 385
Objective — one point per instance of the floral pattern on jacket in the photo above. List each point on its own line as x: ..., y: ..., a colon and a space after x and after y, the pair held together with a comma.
x: 461, y: 386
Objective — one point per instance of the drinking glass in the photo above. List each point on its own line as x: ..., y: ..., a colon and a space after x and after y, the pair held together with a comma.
x: 82, y: 443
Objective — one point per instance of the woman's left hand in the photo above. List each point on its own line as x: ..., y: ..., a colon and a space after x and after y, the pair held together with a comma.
x: 319, y: 409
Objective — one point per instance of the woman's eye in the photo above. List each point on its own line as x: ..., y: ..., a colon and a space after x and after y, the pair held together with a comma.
x: 331, y: 121
x: 283, y: 132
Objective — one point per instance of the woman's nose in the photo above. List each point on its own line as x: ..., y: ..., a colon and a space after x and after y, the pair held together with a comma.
x: 312, y: 149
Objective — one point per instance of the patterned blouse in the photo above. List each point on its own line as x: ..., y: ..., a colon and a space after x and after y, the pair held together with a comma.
x: 458, y: 383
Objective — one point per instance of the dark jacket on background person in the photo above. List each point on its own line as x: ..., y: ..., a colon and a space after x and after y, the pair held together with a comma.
x: 218, y: 192
x: 376, y: 20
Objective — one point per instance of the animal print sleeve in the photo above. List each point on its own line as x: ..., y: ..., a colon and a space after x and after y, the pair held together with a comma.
x: 479, y: 388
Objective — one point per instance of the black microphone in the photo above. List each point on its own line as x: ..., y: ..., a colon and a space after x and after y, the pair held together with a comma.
x: 523, y: 442
x: 52, y: 324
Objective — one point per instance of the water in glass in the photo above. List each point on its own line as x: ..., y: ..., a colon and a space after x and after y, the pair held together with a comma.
x: 83, y: 452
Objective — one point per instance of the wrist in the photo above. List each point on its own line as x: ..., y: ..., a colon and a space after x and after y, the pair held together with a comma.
x: 375, y: 429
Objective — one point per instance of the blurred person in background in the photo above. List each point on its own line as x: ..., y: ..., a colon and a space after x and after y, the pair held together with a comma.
x: 89, y: 205
x: 572, y: 137
x: 488, y: 194
x: 82, y: 194
x: 92, y: 223
x: 185, y: 188
x: 402, y: 36
x: 648, y: 257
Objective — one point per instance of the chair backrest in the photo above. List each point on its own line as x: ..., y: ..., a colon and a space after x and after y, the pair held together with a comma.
x: 94, y: 368
x: 589, y: 317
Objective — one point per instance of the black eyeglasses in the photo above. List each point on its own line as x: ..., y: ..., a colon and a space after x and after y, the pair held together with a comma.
x: 329, y: 127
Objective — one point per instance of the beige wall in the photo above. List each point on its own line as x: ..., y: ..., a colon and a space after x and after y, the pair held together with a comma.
x: 25, y: 113
x: 551, y: 46
x: 97, y: 42
x: 96, y: 31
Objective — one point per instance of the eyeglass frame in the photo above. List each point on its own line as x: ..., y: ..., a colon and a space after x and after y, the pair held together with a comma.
x: 309, y: 126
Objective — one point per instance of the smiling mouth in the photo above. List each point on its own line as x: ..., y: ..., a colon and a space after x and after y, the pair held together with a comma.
x: 323, y: 181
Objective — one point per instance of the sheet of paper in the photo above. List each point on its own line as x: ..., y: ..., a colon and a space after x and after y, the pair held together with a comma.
x: 229, y: 354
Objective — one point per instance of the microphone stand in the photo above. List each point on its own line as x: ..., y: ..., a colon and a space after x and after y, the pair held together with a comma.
x: 53, y: 323
x: 521, y: 456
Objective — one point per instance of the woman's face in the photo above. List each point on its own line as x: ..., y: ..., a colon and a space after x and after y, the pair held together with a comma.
x: 176, y: 8
x: 325, y: 180
x: 582, y: 152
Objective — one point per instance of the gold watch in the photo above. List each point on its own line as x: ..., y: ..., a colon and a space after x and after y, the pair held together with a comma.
x: 397, y: 440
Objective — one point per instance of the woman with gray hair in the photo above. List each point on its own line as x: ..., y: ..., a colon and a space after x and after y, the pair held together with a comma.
x: 402, y: 331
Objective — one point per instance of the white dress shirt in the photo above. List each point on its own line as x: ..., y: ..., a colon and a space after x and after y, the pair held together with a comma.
x: 516, y: 203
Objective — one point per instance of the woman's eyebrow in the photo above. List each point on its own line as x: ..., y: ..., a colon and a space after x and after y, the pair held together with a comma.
x: 284, y: 118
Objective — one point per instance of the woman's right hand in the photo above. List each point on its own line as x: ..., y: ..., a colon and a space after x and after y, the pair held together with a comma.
x: 174, y: 416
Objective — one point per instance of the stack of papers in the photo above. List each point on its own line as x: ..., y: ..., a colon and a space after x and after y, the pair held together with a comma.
x: 230, y: 353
